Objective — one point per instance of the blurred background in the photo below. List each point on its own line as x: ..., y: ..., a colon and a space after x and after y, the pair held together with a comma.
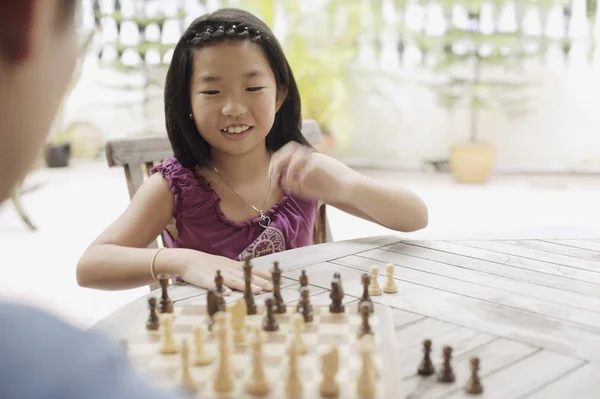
x: 487, y: 109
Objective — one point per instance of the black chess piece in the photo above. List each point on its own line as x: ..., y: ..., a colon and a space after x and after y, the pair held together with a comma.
x: 276, y: 278
x: 304, y: 306
x: 446, y: 373
x: 474, y: 386
x: 269, y: 321
x: 365, y: 280
x: 337, y: 295
x: 303, y: 279
x: 365, y: 313
x: 248, y: 295
x: 219, y: 282
x: 426, y: 367
x: 152, y: 323
x: 165, y: 305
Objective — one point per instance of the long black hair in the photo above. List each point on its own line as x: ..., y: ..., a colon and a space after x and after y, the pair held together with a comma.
x: 189, y: 147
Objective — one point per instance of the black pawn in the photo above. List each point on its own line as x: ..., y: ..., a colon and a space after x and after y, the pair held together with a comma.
x: 165, y: 305
x: 304, y: 306
x: 446, y: 373
x: 152, y: 323
x: 426, y: 367
x: 269, y: 321
x: 219, y: 282
x: 248, y: 295
x: 276, y: 278
x: 474, y: 386
x: 365, y: 280
x: 337, y: 295
x: 303, y: 279
x: 365, y: 327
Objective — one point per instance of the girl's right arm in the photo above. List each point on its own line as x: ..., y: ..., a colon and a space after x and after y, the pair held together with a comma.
x: 119, y: 257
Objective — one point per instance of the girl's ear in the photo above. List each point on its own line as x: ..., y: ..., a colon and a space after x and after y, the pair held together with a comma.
x: 282, y: 92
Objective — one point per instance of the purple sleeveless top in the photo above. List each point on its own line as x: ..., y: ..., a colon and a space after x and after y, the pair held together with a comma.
x: 203, y: 226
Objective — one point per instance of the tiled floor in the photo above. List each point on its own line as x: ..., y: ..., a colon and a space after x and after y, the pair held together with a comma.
x: 71, y: 206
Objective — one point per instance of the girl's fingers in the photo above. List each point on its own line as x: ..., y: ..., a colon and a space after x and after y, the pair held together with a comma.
x: 233, y: 282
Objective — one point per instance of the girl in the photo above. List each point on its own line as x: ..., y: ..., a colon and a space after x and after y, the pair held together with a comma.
x: 243, y: 180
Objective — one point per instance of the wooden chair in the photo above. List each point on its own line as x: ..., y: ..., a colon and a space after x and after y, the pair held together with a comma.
x: 138, y: 156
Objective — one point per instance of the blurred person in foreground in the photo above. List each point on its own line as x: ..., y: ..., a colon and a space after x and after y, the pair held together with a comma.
x: 40, y: 355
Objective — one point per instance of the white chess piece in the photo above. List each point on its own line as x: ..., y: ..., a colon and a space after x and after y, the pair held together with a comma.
x: 374, y: 288
x: 390, y: 285
x: 168, y: 345
x: 297, y: 323
x: 365, y: 385
x: 293, y: 384
x: 367, y: 343
x: 329, y: 368
x: 201, y: 358
x: 257, y: 381
x: 223, y: 378
x: 186, y: 377
x: 238, y: 321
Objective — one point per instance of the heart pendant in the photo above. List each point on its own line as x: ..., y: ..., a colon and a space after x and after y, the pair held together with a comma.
x: 264, y: 221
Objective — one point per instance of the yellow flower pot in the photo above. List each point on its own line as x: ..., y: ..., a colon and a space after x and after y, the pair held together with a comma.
x: 472, y: 162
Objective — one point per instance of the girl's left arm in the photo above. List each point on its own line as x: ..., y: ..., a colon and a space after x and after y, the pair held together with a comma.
x: 320, y: 177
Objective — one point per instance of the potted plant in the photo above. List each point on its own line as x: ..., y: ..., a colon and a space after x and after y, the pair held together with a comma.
x: 477, y: 77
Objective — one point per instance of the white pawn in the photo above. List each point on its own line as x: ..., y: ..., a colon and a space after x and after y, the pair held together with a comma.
x: 329, y: 368
x: 297, y: 322
x: 201, y: 358
x: 168, y: 342
x: 293, y: 385
x: 374, y: 288
x: 186, y: 377
x: 365, y: 383
x: 257, y: 381
x: 390, y: 285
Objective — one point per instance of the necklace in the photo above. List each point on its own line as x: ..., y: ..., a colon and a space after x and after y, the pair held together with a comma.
x: 264, y: 219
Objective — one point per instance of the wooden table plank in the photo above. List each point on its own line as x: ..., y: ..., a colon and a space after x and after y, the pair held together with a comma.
x: 485, y: 274
x: 581, y: 383
x: 402, y: 317
x: 543, y: 273
x: 535, y: 254
x: 523, y: 377
x: 420, y: 271
x: 492, y: 318
x: 585, y: 244
x: 413, y: 334
x: 555, y: 248
x: 496, y: 355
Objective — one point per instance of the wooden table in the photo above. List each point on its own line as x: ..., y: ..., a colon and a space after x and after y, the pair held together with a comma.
x: 529, y: 309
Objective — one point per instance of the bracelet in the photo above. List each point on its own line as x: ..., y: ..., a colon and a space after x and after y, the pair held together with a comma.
x: 152, y: 263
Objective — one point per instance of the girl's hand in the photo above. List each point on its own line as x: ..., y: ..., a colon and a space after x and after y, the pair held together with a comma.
x: 194, y: 269
x: 310, y: 175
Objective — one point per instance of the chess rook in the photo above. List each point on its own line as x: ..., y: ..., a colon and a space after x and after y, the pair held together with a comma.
x: 165, y: 305
x: 276, y: 278
x: 248, y: 295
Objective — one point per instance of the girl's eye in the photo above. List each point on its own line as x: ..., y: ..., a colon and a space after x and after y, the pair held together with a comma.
x: 254, y: 88
x: 210, y: 92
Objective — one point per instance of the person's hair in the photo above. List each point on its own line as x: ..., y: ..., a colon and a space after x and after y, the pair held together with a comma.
x: 227, y: 24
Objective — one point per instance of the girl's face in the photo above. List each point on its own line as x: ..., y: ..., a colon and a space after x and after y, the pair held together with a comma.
x: 234, y: 96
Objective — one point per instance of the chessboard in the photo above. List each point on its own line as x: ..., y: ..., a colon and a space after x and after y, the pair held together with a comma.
x: 298, y: 353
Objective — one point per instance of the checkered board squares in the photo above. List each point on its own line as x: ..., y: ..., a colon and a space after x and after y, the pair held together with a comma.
x: 325, y: 330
